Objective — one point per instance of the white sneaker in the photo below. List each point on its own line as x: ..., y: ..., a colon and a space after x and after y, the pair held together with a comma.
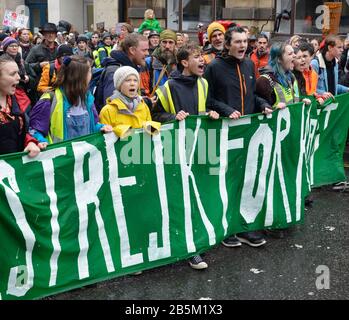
x: 198, y: 263
x: 341, y: 186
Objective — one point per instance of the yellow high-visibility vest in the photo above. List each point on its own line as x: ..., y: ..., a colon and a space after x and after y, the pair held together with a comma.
x: 165, y: 96
x: 282, y: 94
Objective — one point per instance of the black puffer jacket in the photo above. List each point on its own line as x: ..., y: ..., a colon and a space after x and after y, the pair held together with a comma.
x: 40, y: 53
x: 232, y: 86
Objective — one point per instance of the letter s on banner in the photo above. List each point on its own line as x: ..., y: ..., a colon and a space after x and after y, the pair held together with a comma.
x: 6, y: 171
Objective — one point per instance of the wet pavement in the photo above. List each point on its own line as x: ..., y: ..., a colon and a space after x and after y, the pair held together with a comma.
x: 282, y: 269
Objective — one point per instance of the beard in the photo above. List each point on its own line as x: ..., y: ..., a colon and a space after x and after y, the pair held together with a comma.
x: 167, y: 57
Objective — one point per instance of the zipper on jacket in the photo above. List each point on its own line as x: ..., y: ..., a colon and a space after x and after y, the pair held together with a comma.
x: 242, y: 87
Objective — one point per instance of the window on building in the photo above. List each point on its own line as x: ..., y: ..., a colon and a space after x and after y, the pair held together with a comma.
x: 317, y: 16
x: 173, y: 14
x: 309, y: 16
x: 38, y: 13
x: 134, y: 11
x: 312, y: 16
x: 283, y: 16
x: 344, y: 23
x: 176, y: 14
x: 220, y: 4
x: 88, y: 15
x: 195, y: 12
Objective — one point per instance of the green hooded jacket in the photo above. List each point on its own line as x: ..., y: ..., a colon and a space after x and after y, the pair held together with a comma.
x: 150, y: 24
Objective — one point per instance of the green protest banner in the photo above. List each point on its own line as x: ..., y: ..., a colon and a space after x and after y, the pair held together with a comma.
x: 96, y: 208
x: 332, y: 129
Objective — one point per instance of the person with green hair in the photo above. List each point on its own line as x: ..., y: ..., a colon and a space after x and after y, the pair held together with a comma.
x: 150, y: 22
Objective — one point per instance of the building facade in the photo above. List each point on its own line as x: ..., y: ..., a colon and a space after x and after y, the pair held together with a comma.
x: 184, y: 15
x: 284, y: 17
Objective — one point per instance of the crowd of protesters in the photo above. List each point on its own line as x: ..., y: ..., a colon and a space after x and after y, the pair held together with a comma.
x: 59, y: 84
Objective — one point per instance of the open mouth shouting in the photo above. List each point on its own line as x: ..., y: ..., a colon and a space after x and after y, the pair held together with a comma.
x: 241, y: 52
x: 13, y: 87
x: 132, y: 92
x: 201, y: 68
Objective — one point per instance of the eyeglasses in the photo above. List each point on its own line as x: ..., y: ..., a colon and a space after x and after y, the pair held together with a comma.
x: 13, y: 46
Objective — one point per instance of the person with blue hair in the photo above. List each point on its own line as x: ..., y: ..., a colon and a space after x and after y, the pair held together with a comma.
x: 279, y: 86
x: 277, y: 83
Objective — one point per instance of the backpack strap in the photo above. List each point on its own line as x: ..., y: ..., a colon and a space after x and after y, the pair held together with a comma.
x: 271, y: 81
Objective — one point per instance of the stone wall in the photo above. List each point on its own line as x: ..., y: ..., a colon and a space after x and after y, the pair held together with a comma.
x: 106, y: 11
x: 68, y: 10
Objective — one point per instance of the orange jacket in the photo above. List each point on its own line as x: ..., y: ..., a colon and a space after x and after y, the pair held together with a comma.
x: 311, y: 80
x: 45, y: 82
x: 145, y: 84
x: 209, y: 57
x: 259, y: 62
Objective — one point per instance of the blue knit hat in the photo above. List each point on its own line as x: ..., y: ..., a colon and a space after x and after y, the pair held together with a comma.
x: 7, y: 42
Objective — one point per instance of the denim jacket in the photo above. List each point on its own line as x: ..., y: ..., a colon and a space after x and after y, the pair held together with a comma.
x: 318, y: 64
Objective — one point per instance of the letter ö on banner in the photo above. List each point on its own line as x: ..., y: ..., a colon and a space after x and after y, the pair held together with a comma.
x: 252, y: 204
x: 86, y: 193
x: 15, y: 287
x: 127, y: 259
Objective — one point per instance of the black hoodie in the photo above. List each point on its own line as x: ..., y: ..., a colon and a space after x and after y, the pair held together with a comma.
x: 232, y: 86
x: 184, y: 92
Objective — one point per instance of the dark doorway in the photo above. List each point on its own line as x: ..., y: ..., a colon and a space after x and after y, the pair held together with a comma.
x: 38, y: 13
